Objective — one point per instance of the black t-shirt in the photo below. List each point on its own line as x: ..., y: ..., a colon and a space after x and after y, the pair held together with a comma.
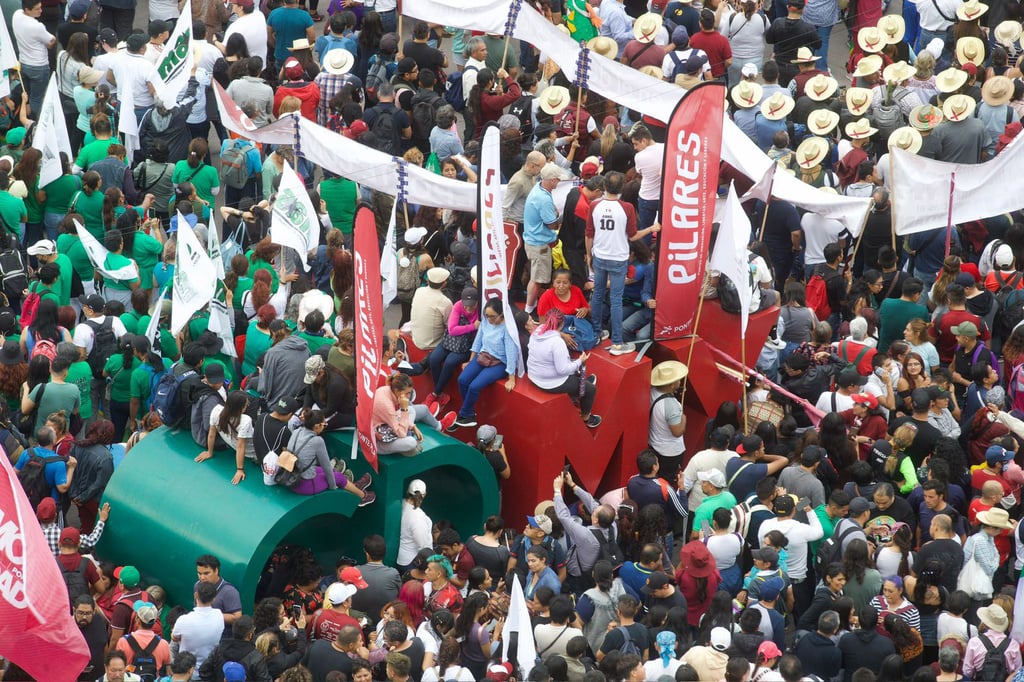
x: 946, y: 555
x: 426, y: 57
x: 675, y: 599
x: 924, y: 441
x: 415, y: 653
x: 269, y: 434
x: 494, y: 559
x: 638, y: 633
x: 899, y: 510
x: 322, y: 658
x: 66, y: 29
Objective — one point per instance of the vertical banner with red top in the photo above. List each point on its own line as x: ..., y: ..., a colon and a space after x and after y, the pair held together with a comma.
x: 369, y: 324
x: 37, y: 631
x: 689, y: 186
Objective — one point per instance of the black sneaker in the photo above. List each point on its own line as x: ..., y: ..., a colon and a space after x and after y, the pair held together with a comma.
x: 368, y: 498
x: 593, y: 422
x: 462, y: 423
x: 592, y: 379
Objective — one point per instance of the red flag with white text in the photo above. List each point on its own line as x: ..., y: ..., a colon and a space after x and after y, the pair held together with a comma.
x: 37, y: 631
x: 689, y: 187
x: 369, y: 325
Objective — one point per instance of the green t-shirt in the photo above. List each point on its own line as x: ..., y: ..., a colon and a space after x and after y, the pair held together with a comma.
x: 204, y: 180
x: 143, y: 382
x: 345, y: 363
x: 256, y: 344
x: 120, y: 378
x: 314, y: 342
x: 257, y: 263
x: 60, y: 191
x: 56, y: 397
x: 93, y: 152
x: 63, y: 284
x: 131, y: 321
x: 12, y: 212
x: 168, y: 346
x: 44, y: 291
x: 244, y: 285
x: 828, y: 524
x: 710, y: 504
x: 341, y: 196
x: 116, y: 261
x: 146, y: 251
x: 90, y: 206
x: 80, y: 375
x: 33, y: 207
x: 71, y: 246
x: 198, y: 324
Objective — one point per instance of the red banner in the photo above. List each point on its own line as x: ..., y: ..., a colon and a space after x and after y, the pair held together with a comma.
x: 689, y: 183
x: 369, y: 324
x: 37, y: 631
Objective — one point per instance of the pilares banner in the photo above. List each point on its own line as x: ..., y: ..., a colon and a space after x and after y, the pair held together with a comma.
x: 369, y: 325
x: 689, y: 186
x: 174, y: 66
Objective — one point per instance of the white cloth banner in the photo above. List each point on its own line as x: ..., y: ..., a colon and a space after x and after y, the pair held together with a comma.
x: 213, y: 248
x: 518, y: 621
x: 98, y: 255
x: 220, y: 324
x: 389, y: 262
x: 174, y: 65
x: 195, y: 279
x: 294, y: 222
x: 635, y: 90
x: 51, y: 135
x: 127, y: 123
x: 729, y: 256
x: 152, y: 329
x: 8, y: 57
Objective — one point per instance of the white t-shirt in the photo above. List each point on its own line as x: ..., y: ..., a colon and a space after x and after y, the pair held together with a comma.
x: 725, y: 548
x: 762, y: 275
x: 954, y: 626
x: 665, y: 412
x: 105, y: 62
x: 132, y: 71
x: 269, y: 468
x: 887, y: 561
x: 84, y: 335
x: 799, y: 535
x: 245, y: 431
x: 200, y: 631
x: 648, y: 164
x: 611, y: 241
x: 415, y: 533
x: 253, y: 28
x: 163, y: 9
x: 703, y: 461
x: 843, y: 402
x: 33, y: 39
x: 654, y: 668
x: 819, y: 232
x: 453, y: 672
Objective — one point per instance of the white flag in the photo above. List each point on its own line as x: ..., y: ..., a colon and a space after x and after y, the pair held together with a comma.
x: 220, y: 324
x: 213, y: 244
x: 518, y: 621
x: 153, y: 329
x: 294, y: 221
x: 195, y: 279
x: 8, y: 57
x: 127, y: 124
x: 174, y: 66
x: 729, y: 256
x: 98, y: 255
x: 389, y: 262
x: 762, y: 189
x: 51, y: 135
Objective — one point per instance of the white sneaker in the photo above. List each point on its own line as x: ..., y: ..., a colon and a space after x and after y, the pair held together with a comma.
x: 605, y: 335
x: 621, y: 348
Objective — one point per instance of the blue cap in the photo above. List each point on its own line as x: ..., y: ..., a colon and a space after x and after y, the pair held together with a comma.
x: 996, y: 454
x: 233, y: 672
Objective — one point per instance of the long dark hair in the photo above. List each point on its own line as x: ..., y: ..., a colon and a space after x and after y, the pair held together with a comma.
x: 467, y: 616
x: 234, y: 408
x: 483, y: 77
x: 370, y: 33
x: 127, y: 350
x: 856, y: 560
x: 141, y: 346
x: 44, y: 326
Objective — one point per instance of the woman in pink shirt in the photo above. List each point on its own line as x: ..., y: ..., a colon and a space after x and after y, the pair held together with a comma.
x: 394, y: 418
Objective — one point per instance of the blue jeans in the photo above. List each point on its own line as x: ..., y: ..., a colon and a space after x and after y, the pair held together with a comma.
x: 443, y: 365
x: 825, y: 33
x: 390, y: 20
x: 926, y: 36
x: 647, y: 213
x: 637, y: 327
x: 35, y: 79
x: 475, y: 379
x: 603, y: 269
x: 51, y: 221
x: 912, y: 20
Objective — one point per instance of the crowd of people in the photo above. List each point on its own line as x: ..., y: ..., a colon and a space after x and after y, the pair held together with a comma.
x: 854, y: 518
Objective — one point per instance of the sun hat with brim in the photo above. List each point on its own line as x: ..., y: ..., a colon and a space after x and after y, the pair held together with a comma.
x: 860, y: 129
x: 811, y: 152
x: 338, y: 61
x: 554, y: 98
x: 858, y: 100
x: 906, y: 138
x: 821, y: 87
x: 950, y: 80
x: 994, y: 617
x: 958, y: 108
x: 1008, y: 32
x: 777, y: 107
x: 604, y: 46
x: 898, y: 72
x: 970, y: 50
x: 870, y: 40
x: 747, y: 94
x: 997, y: 91
x: 822, y: 121
x: 892, y: 28
x: 89, y: 77
x: 647, y: 26
x: 995, y: 517
x: 867, y: 66
x: 695, y: 559
x: 804, y: 56
x: 668, y: 372
x: 971, y: 10
x: 300, y: 44
x: 653, y: 71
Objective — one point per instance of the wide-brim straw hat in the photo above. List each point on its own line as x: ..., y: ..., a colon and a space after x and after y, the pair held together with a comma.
x: 897, y: 72
x: 860, y: 129
x: 893, y: 28
x: 804, y: 56
x: 994, y: 616
x: 858, y: 100
x: 812, y: 152
x: 746, y: 94
x: 822, y: 121
x: 868, y: 65
x: 995, y: 517
x: 653, y: 71
x: 997, y: 91
x: 950, y: 80
x: 971, y: 10
x: 300, y: 44
x: 647, y: 26
x: 870, y: 40
x: 777, y: 107
x: 554, y: 98
x: 604, y: 46
x: 338, y: 61
x: 925, y: 117
x: 1008, y: 32
x: 668, y: 372
x: 970, y: 50
x: 821, y: 87
x: 958, y: 107
x: 907, y: 139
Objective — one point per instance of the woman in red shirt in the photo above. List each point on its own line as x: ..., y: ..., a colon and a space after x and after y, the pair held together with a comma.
x: 564, y: 296
x: 866, y: 423
x: 487, y: 100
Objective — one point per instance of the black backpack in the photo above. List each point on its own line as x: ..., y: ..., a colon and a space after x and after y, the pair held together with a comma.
x: 728, y: 295
x: 522, y: 109
x: 1009, y: 302
x: 144, y: 660
x: 424, y: 114
x: 13, y: 275
x: 831, y: 550
x: 104, y: 344
x: 993, y: 667
x: 33, y: 477
x: 628, y: 646
x: 75, y: 580
x: 609, y: 548
x: 385, y: 131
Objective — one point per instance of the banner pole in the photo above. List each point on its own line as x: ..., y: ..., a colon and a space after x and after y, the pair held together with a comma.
x: 949, y: 213
x: 764, y: 218
x: 693, y: 336
x: 743, y: 384
x: 892, y: 207
x: 504, y: 52
x: 856, y: 246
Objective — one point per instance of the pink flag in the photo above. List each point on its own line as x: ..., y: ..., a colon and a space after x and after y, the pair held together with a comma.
x: 369, y: 326
x: 37, y: 631
x: 762, y: 189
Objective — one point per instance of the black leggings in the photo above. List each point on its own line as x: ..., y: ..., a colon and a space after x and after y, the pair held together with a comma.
x: 571, y: 386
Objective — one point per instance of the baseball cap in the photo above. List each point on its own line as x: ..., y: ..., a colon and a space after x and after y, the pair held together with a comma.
x: 406, y: 65
x: 798, y: 362
x: 214, y: 372
x: 769, y: 649
x: 233, y: 672
x: 43, y: 247
x: 145, y: 610
x: 388, y: 43
x: 784, y: 505
x: 94, y: 301
x: 965, y: 329
x: 713, y: 476
x: 921, y: 398
x: 859, y: 505
x: 937, y: 392
x: 865, y: 399
x: 540, y: 521
x: 880, y: 450
x: 69, y: 537
x: 108, y: 36
x: 769, y: 554
x: 749, y: 70
x: 720, y: 639
x: 15, y: 136
x: 965, y: 279
x: 314, y: 363
x: 996, y: 454
x: 339, y: 593
x: 416, y: 486
x: 486, y: 433
x: 469, y: 295
x: 771, y: 588
x: 293, y: 69
x: 129, y: 576
x: 286, y: 406
x: 47, y: 509
x: 78, y: 9
x: 137, y: 41
x: 850, y: 377
x: 749, y: 445
x: 680, y: 37
x: 657, y: 581
x: 1003, y: 256
x: 353, y: 576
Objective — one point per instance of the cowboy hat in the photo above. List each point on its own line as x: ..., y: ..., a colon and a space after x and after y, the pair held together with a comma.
x: 804, y: 56
x: 821, y: 87
x: 338, y: 61
x: 892, y: 28
x: 652, y: 71
x: 860, y: 129
x: 554, y: 98
x: 822, y: 121
x: 1008, y: 32
x: 646, y: 27
x: 870, y: 40
x: 994, y: 617
x: 995, y: 517
x: 811, y: 152
x: 867, y: 66
x: 858, y: 100
x: 906, y: 138
x: 300, y: 44
x: 668, y: 372
x: 970, y: 50
x: 958, y: 107
x: 604, y: 46
x: 997, y: 91
x: 314, y: 299
x: 971, y: 10
x: 950, y: 80
x: 777, y: 107
x: 898, y: 72
x: 747, y: 94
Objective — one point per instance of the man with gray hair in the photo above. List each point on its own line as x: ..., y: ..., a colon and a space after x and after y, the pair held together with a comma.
x: 587, y: 540
x: 856, y: 350
x: 476, y: 51
x: 816, y: 650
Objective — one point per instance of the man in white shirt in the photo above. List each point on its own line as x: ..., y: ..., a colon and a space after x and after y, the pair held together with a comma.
x: 476, y: 48
x: 253, y: 27
x: 799, y: 535
x: 92, y: 306
x: 104, y: 61
x: 648, y: 161
x: 848, y: 383
x: 34, y: 43
x: 199, y: 631
x: 552, y: 637
x: 714, y: 457
x: 819, y: 232
x: 388, y: 11
x: 936, y: 17
x: 131, y: 70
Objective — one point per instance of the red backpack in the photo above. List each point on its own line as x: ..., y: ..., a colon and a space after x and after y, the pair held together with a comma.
x: 817, y: 297
x: 133, y: 624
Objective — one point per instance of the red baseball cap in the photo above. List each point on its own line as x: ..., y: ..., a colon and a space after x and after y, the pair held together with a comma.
x: 353, y: 576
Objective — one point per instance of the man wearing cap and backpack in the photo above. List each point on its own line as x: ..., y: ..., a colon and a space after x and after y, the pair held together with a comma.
x: 148, y: 653
x: 123, y: 619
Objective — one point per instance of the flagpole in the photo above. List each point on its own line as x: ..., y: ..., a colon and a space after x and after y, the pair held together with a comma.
x: 949, y: 213
x: 693, y: 336
x: 764, y: 218
x: 743, y: 384
x: 856, y: 245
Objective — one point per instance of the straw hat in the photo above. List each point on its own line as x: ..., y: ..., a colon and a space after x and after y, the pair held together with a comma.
x: 821, y: 87
x: 653, y: 72
x: 668, y: 372
x: 747, y: 94
x: 777, y: 107
x: 870, y: 39
x: 338, y: 61
x: 995, y: 517
x: 997, y: 91
x: 906, y: 138
x: 604, y: 46
x: 893, y: 28
x: 646, y: 27
x: 828, y: 190
x: 804, y: 56
x: 958, y: 107
x: 860, y: 129
x: 898, y: 72
x: 822, y: 121
x: 971, y: 10
x: 811, y: 152
x: 554, y: 98
x: 925, y: 117
x: 1008, y: 32
x: 868, y: 65
x: 300, y: 44
x: 950, y: 80
x: 858, y: 100
x: 970, y: 50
